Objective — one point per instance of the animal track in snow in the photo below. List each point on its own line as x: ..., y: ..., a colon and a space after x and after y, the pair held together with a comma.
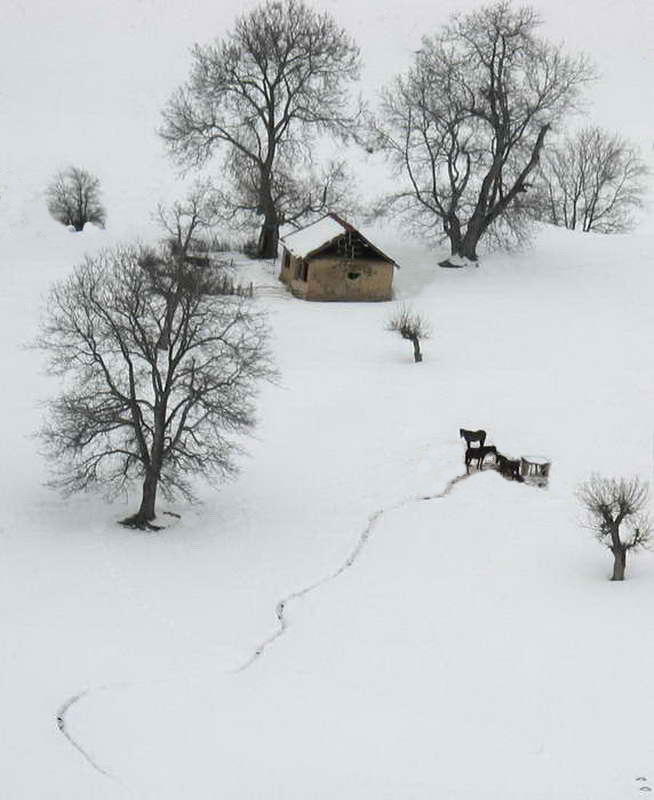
x: 373, y: 519
x: 61, y: 724
x: 280, y: 614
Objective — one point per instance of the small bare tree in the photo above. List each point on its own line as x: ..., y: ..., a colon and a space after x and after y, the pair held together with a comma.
x: 73, y: 198
x: 592, y: 181
x: 612, y: 504
x: 161, y: 376
x: 410, y: 326
x: 185, y: 221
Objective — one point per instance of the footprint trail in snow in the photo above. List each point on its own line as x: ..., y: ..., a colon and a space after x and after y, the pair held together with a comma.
x: 280, y: 614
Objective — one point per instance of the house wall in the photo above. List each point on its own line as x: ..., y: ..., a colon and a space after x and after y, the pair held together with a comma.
x: 289, y: 269
x: 328, y: 279
x: 285, y: 267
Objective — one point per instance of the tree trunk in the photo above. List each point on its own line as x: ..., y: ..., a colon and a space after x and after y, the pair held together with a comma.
x: 268, y: 240
x: 474, y: 231
x: 417, y: 355
x: 488, y: 208
x: 147, y: 510
x: 146, y: 513
x: 619, y: 563
x: 453, y: 230
x: 618, y: 549
x: 269, y: 236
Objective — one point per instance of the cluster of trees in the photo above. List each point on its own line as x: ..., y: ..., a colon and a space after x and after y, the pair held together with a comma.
x: 468, y: 128
x: 465, y: 126
x: 162, y: 358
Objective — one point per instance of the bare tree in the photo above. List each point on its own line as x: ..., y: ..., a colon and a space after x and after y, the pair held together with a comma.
x: 161, y: 377
x: 73, y: 198
x: 611, y: 504
x: 465, y: 125
x: 594, y: 181
x: 185, y: 221
x: 297, y: 196
x: 410, y: 326
x: 276, y: 82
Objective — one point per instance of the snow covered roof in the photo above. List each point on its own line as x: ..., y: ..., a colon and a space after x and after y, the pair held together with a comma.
x: 319, y: 234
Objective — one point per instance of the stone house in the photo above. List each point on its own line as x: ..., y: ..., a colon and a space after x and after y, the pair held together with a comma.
x: 332, y: 260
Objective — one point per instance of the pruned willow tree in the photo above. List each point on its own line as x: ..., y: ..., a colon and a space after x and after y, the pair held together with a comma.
x: 280, y: 80
x: 412, y: 326
x: 593, y: 180
x: 616, y: 513
x: 464, y: 127
x: 160, y: 376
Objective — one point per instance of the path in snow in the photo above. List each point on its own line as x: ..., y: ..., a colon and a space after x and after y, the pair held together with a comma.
x: 61, y: 724
x: 280, y: 613
x: 373, y: 519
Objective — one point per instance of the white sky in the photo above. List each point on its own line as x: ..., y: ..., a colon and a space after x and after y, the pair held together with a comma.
x: 84, y: 81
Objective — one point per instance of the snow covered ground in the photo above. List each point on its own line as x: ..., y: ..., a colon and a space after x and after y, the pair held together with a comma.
x: 474, y: 648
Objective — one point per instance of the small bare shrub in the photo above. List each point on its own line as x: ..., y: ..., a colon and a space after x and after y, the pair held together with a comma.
x: 73, y: 198
x: 411, y: 326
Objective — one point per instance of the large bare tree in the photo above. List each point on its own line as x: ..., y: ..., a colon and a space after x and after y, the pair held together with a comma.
x: 160, y: 376
x: 592, y: 181
x: 280, y: 79
x: 465, y: 125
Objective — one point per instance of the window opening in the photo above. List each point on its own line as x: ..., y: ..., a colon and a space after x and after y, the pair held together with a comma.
x: 302, y: 270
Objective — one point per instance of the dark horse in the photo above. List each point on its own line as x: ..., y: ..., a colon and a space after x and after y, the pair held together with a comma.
x: 478, y: 454
x: 509, y: 468
x: 473, y: 436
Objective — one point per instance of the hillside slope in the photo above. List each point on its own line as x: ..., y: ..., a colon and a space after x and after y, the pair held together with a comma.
x: 472, y: 648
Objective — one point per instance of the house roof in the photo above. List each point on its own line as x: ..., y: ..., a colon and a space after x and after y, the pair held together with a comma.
x: 315, y: 237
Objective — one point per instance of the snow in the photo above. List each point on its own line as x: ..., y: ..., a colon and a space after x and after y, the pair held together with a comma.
x: 460, y: 261
x: 306, y: 240
x: 464, y: 646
